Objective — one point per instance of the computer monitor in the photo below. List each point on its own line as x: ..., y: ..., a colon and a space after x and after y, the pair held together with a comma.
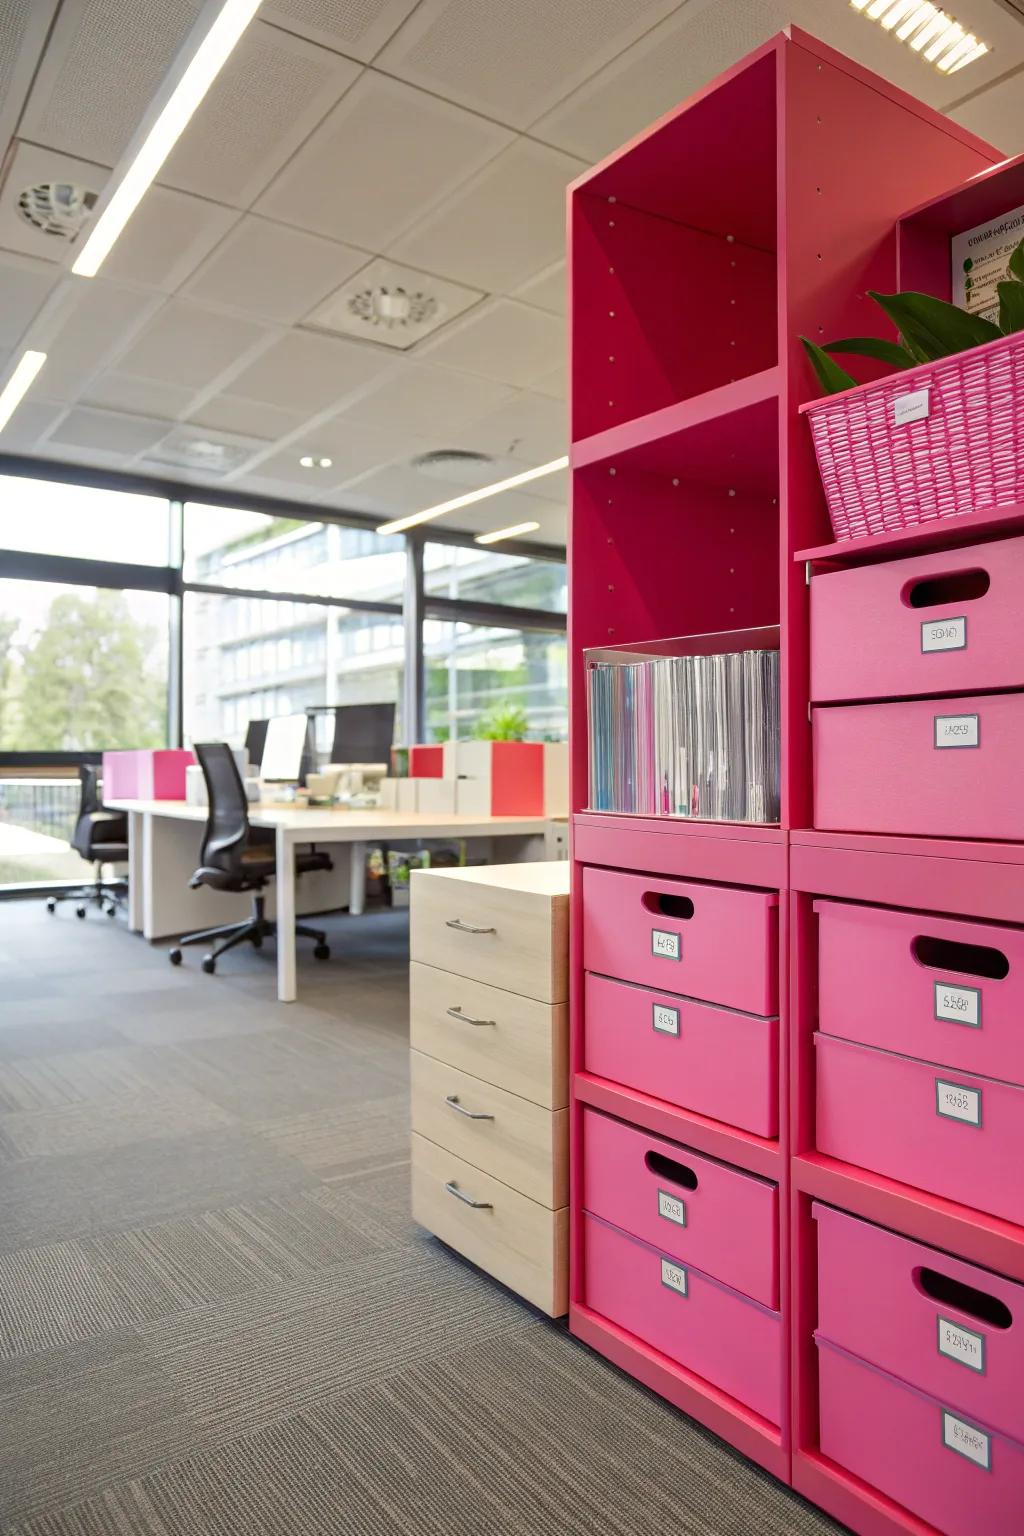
x: 288, y: 753
x: 255, y: 741
x: 363, y: 733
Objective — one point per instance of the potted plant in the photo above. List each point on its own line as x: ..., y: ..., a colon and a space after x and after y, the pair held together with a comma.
x: 941, y: 436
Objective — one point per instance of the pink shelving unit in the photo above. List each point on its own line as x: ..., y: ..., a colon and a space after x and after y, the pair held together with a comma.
x: 763, y: 208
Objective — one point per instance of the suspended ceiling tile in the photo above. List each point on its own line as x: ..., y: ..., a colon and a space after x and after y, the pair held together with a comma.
x: 25, y: 282
x: 528, y: 427
x: 392, y: 306
x: 166, y: 238
x: 399, y: 488
x: 271, y: 93
x: 131, y: 392
x: 102, y: 318
x: 210, y: 455
x: 108, y: 432
x: 546, y: 290
x: 426, y: 402
x: 505, y: 511
x: 352, y: 451
x: 309, y: 373
x: 230, y: 413
x: 29, y: 424
x: 383, y: 156
x: 554, y: 382
x: 359, y: 28
x: 513, y: 61
x: 101, y: 69
x: 31, y: 166
x: 22, y: 35
x: 995, y: 114
x: 502, y: 340
x: 554, y: 487
x: 271, y: 271
x: 501, y: 228
x: 189, y: 345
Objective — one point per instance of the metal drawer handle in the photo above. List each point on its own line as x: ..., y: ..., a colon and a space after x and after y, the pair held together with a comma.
x: 478, y: 1205
x: 456, y: 922
x: 470, y: 1114
x: 464, y: 1018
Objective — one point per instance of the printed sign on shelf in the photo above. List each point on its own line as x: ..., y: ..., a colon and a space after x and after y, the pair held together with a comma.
x: 979, y: 260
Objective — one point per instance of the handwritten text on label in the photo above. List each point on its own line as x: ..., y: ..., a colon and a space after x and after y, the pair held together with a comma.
x: 960, y: 1005
x: 674, y: 1276
x: 966, y: 1440
x: 944, y: 634
x: 956, y: 731
x: 955, y: 1102
x: 665, y: 1019
x: 665, y: 944
x: 671, y: 1208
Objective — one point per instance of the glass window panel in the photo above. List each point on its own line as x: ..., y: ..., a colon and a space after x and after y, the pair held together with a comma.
x: 48, y: 518
x: 484, y: 575
x: 474, y: 671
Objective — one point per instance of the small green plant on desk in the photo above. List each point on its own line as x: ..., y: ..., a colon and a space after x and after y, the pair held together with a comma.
x: 502, y: 722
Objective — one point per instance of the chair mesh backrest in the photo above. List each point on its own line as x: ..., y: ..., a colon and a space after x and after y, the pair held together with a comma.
x: 89, y: 800
x: 227, y: 822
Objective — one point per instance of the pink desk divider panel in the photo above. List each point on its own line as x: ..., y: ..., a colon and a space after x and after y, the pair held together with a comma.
x: 945, y: 1466
x: 714, y: 942
x: 716, y: 1061
x: 947, y: 1327
x: 935, y: 1127
x: 940, y: 989
x: 692, y: 1208
x: 928, y: 767
x: 426, y: 761
x: 712, y: 1330
x: 122, y: 776
x: 162, y: 773
x: 940, y: 623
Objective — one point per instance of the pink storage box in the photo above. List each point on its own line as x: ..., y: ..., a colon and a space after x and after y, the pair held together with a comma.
x: 426, y: 761
x: 940, y: 1129
x: 147, y: 774
x: 715, y: 1061
x: 714, y: 942
x: 694, y: 1208
x: 877, y: 767
x: 961, y: 1476
x: 497, y: 778
x: 949, y: 1328
x: 869, y: 641
x: 729, y: 1340
x: 941, y: 989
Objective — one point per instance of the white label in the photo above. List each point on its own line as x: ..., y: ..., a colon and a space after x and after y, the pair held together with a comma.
x: 671, y: 1208
x: 962, y: 1345
x: 664, y: 944
x: 910, y: 407
x: 944, y: 634
x: 956, y: 730
x: 960, y: 1005
x: 664, y: 1019
x: 955, y: 1102
x: 966, y: 1440
x: 980, y: 258
x: 674, y: 1276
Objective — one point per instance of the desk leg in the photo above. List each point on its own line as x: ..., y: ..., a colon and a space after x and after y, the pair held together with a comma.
x: 136, y: 872
x: 357, y: 881
x: 286, y: 989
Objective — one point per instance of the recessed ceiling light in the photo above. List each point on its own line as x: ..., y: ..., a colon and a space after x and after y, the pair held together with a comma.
x: 506, y: 533
x: 929, y: 31
x: 310, y: 461
x: 400, y: 524
x: 18, y: 384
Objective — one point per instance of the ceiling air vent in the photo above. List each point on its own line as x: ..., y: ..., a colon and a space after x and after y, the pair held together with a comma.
x: 458, y: 466
x: 391, y: 307
x: 58, y: 208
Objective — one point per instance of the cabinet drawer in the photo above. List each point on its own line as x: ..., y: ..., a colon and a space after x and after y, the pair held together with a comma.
x: 520, y: 1143
x: 520, y: 1243
x: 696, y: 1209
x: 714, y: 942
x: 716, y: 1061
x: 940, y: 989
x: 509, y: 937
x: 516, y: 1042
x: 938, y: 623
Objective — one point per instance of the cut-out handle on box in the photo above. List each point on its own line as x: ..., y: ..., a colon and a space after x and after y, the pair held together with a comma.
x: 664, y: 904
x: 668, y: 1168
x: 965, y: 959
x: 963, y: 1298
x: 943, y: 591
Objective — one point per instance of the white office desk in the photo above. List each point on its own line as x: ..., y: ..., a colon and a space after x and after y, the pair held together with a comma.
x: 161, y: 860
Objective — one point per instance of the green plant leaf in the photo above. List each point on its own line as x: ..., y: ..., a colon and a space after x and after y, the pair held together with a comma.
x: 936, y: 328
x: 1016, y: 263
x: 1011, y: 307
x: 831, y: 377
x: 873, y: 346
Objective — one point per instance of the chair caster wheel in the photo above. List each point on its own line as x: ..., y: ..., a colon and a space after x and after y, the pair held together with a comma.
x: 209, y: 964
x: 111, y: 911
x: 51, y: 905
x: 79, y: 911
x: 322, y: 952
x: 257, y: 941
x: 174, y: 956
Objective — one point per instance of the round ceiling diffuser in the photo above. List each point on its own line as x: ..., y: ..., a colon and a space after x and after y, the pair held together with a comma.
x: 392, y: 307
x: 459, y: 466
x: 58, y: 208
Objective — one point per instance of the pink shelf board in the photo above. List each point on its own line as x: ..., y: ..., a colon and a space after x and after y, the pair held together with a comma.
x: 940, y: 533
x: 756, y: 1154
x: 866, y: 1511
x: 737, y: 854
x: 741, y: 1427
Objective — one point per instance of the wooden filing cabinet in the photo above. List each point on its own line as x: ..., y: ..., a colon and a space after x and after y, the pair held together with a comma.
x: 489, y: 1037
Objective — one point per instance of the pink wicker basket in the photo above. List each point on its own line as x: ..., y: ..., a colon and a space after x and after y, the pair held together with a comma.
x: 965, y: 455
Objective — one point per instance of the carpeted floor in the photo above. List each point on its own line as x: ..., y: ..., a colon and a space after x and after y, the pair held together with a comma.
x: 216, y: 1316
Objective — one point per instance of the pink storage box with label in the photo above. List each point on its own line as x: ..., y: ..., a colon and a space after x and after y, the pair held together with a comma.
x: 940, y: 989
x: 942, y: 1465
x: 931, y: 767
x: 716, y: 1061
x: 947, y: 1327
x: 690, y: 1207
x: 942, y: 623
x: 728, y: 1339
x: 148, y: 774
x: 940, y: 1129
x: 718, y: 943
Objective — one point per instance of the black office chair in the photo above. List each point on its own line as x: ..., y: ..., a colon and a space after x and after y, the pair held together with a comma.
x: 237, y: 857
x: 101, y: 837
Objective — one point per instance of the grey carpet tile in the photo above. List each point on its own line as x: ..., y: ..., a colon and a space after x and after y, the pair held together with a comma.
x: 154, y: 1115
x: 49, y: 1199
x: 375, y: 1205
x: 73, y: 1077
x: 165, y: 1022
x: 50, y: 1296
x: 348, y: 1138
x: 44, y: 1033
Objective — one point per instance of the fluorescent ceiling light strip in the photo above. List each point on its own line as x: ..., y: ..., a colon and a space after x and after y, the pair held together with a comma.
x: 938, y: 23
x: 948, y: 39
x: 898, y: 12
x: 922, y: 14
x: 400, y: 524
x: 506, y: 533
x: 876, y: 8
x: 858, y: 5
x: 965, y: 45
x: 969, y: 58
x: 206, y: 63
x: 19, y: 384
